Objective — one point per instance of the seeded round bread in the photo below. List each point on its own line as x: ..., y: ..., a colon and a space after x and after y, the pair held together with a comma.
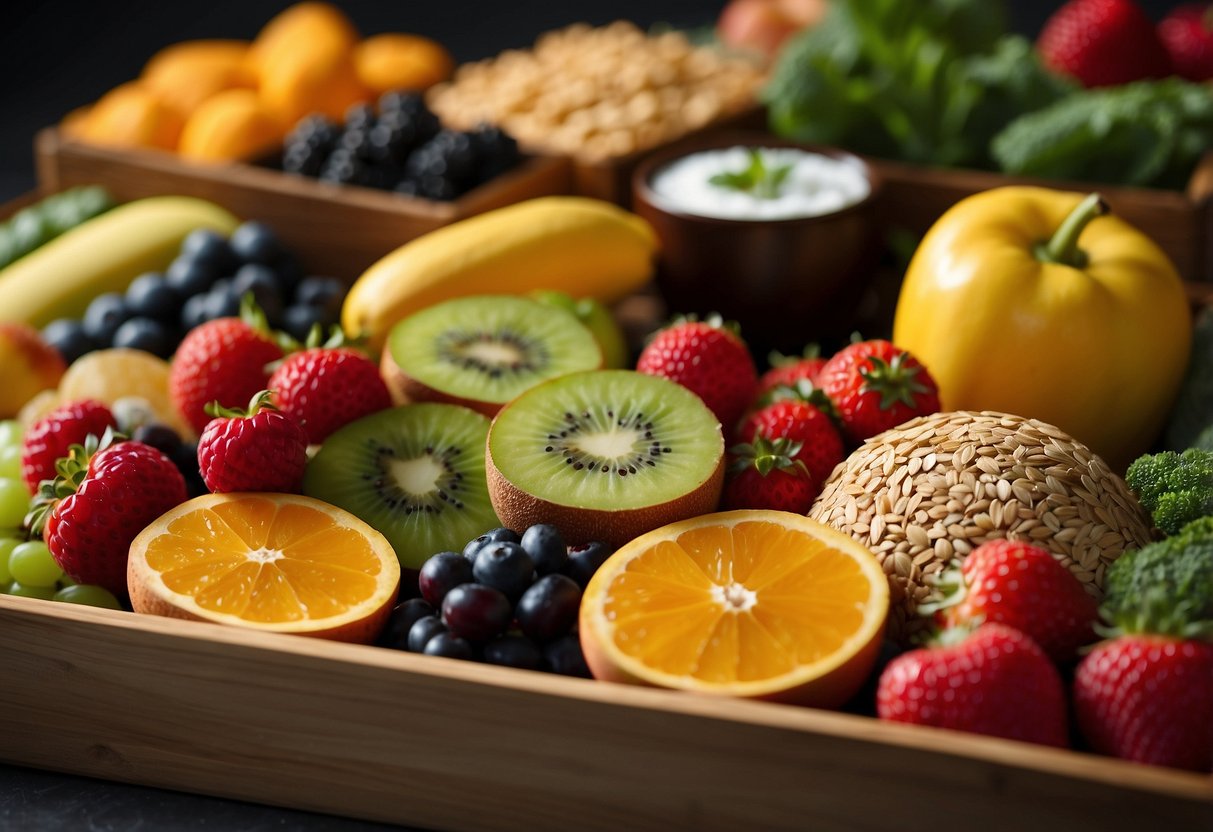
x: 935, y: 488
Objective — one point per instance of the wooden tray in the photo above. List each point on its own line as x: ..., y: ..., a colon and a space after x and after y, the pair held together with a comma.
x: 336, y: 230
x: 382, y: 735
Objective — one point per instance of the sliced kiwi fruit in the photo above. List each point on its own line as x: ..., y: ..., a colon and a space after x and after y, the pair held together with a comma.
x: 482, y: 351
x: 416, y: 473
x: 604, y: 455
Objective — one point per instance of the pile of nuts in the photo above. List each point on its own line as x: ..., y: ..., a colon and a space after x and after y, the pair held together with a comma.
x: 598, y: 93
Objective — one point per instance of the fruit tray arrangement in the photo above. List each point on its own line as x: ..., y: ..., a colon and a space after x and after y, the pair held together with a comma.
x: 286, y: 532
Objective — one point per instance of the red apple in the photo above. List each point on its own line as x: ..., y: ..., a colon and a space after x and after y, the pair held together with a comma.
x: 763, y: 26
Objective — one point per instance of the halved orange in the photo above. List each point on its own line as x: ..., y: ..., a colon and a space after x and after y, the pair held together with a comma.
x: 760, y: 604
x: 276, y: 562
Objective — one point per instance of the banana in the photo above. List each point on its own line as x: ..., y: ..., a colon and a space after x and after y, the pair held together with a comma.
x: 104, y: 254
x: 585, y: 247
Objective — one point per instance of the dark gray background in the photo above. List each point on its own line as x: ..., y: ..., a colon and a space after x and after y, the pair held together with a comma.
x: 56, y: 55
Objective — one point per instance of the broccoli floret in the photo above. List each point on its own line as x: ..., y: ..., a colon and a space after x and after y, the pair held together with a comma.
x: 1175, y: 488
x: 1166, y: 587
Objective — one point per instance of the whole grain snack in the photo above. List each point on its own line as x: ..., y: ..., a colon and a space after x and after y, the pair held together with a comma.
x: 598, y: 93
x: 937, y: 487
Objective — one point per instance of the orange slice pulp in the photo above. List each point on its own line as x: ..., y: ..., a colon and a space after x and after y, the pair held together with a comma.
x: 274, y: 562
x: 761, y: 604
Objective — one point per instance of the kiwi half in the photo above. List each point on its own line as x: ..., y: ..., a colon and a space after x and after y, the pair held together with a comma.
x: 415, y: 473
x: 604, y: 455
x: 483, y: 351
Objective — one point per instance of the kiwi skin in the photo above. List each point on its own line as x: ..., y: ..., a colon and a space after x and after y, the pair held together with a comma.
x: 407, y: 390
x: 519, y: 509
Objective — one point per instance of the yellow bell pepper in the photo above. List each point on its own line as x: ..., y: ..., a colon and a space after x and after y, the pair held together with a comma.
x: 1031, y: 301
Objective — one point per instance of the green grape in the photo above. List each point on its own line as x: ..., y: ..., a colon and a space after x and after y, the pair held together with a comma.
x: 14, y: 503
x: 31, y: 564
x: 6, y: 548
x: 10, y: 433
x: 89, y: 595
x: 43, y: 592
x: 5, y: 586
x: 65, y: 581
x: 10, y: 462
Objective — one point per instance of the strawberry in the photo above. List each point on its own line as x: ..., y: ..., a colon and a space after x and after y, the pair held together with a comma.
x: 993, y: 680
x: 223, y: 360
x: 1187, y: 35
x: 1103, y: 43
x: 258, y: 449
x: 1022, y: 586
x: 788, y: 371
x: 805, y: 424
x: 875, y: 386
x: 325, y: 389
x: 104, y: 496
x: 765, y: 474
x: 53, y: 435
x: 709, y: 359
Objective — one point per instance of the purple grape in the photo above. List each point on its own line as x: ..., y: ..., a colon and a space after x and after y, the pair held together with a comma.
x: 494, y: 536
x: 564, y: 656
x: 513, y: 651
x: 549, y: 608
x: 442, y: 573
x: 476, y: 612
x: 396, y: 633
x: 505, y: 566
x: 449, y: 646
x: 423, y: 629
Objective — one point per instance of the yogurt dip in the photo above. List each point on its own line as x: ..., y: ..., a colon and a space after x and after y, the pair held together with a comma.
x: 814, y: 184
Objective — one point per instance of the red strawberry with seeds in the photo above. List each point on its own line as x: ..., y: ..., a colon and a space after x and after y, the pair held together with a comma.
x: 1103, y: 43
x: 1022, y: 586
x: 222, y: 360
x: 765, y: 475
x: 804, y: 423
x: 993, y: 680
x: 709, y: 359
x: 258, y: 449
x: 1149, y: 699
x: 1187, y: 35
x: 789, y: 371
x: 324, y: 389
x: 104, y: 496
x: 52, y: 436
x: 876, y: 386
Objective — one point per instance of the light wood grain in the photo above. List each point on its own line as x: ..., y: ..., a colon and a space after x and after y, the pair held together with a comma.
x: 335, y: 230
x: 382, y: 735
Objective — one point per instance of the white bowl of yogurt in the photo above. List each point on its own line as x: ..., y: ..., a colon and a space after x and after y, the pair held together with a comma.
x: 778, y: 236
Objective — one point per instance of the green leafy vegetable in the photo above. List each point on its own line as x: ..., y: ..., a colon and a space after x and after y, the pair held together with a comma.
x: 1146, y: 133
x: 1166, y: 587
x: 929, y: 81
x: 757, y: 180
x: 1175, y: 488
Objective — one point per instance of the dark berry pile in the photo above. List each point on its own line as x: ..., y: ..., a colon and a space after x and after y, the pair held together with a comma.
x: 206, y: 281
x: 135, y: 420
x: 505, y: 600
x: 403, y: 148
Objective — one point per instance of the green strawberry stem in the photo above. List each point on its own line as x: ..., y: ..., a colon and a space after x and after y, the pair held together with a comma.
x: 70, y: 472
x: 260, y: 401
x: 768, y: 456
x: 894, y: 381
x: 1062, y: 247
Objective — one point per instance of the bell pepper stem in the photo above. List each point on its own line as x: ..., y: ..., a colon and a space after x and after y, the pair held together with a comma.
x: 1062, y: 247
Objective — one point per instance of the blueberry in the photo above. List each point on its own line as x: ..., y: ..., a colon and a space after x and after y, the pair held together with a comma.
x: 103, y: 317
x: 564, y: 656
x: 546, y: 548
x: 297, y: 321
x: 441, y: 573
x: 289, y: 273
x: 319, y: 291
x: 423, y: 629
x: 150, y: 296
x: 161, y: 437
x: 186, y: 460
x: 221, y: 301
x: 254, y: 242
x: 548, y: 609
x: 262, y: 281
x: 584, y: 560
x: 68, y: 338
x: 193, y: 313
x: 396, y: 632
x: 210, y: 249
x: 449, y: 646
x: 513, y: 651
x: 492, y: 536
x: 504, y: 566
x: 146, y: 334
x: 476, y: 612
x: 189, y: 276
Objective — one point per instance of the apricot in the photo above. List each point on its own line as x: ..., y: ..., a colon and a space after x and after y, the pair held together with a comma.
x: 188, y: 73
x: 131, y: 115
x: 399, y: 61
x: 306, y: 82
x: 311, y: 27
x: 230, y: 125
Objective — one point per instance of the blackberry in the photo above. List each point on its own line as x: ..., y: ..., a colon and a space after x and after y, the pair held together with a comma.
x: 316, y: 132
x: 496, y: 152
x: 344, y: 168
x: 303, y: 159
x: 359, y: 117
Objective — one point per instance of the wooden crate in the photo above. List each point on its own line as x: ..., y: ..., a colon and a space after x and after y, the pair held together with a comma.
x: 335, y: 230
x: 382, y: 735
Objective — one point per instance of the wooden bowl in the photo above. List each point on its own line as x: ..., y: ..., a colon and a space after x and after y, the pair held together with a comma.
x: 786, y: 282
